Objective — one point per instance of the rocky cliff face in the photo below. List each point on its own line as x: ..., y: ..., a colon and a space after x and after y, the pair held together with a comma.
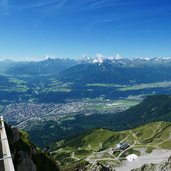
x: 98, y: 167
x: 163, y: 166
x: 26, y: 156
x: 92, y: 167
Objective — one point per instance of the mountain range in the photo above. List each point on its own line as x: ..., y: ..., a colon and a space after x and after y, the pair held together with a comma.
x: 52, y: 66
x: 59, y: 80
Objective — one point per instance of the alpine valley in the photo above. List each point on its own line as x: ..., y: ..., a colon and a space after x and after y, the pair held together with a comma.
x: 91, y: 114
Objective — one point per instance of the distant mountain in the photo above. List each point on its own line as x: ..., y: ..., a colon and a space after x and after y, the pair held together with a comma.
x: 6, y: 64
x: 95, y: 70
x: 49, y: 66
x: 103, y: 69
x: 131, y: 62
x: 123, y: 71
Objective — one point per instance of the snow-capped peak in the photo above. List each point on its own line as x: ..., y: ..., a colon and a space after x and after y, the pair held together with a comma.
x: 118, y: 56
x: 98, y: 60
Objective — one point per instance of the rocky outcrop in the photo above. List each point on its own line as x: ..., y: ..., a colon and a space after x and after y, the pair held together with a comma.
x: 98, y: 167
x: 163, y: 166
x: 25, y: 162
x: 26, y: 156
x: 16, y: 135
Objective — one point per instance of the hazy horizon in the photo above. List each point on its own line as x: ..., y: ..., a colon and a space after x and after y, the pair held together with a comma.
x: 81, y: 58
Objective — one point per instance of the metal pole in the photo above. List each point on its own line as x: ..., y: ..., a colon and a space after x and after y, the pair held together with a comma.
x: 8, y: 163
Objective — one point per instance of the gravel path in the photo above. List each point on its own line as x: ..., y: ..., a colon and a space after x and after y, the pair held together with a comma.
x: 155, y: 157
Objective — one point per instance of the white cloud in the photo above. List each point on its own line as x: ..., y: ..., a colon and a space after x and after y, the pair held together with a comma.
x: 45, y: 5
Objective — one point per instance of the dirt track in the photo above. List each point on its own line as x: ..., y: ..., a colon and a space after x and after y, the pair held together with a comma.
x: 156, y: 156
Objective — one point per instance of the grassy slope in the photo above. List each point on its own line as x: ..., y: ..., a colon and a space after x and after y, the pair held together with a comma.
x: 97, y: 141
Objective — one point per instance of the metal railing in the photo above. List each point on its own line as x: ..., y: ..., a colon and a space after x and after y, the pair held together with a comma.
x: 7, y: 158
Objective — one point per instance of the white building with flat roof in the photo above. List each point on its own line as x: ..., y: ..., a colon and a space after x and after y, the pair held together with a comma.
x: 132, y: 157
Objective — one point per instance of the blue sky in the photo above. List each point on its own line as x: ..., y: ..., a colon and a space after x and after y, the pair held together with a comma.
x: 35, y: 29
